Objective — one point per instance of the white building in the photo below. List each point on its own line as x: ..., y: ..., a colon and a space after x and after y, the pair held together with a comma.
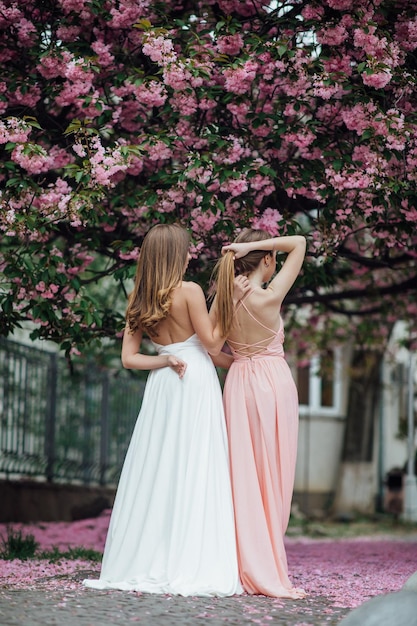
x: 323, y: 481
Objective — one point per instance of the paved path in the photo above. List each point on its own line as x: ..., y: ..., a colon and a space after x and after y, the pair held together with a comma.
x: 97, y: 608
x: 87, y: 607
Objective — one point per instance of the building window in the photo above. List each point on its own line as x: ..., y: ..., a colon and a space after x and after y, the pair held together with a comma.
x: 319, y: 385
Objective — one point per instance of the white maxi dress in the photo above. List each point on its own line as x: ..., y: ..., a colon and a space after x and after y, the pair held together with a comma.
x: 172, y: 525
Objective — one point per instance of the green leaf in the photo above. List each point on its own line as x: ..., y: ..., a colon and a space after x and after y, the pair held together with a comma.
x: 338, y: 164
x: 143, y: 24
x: 32, y: 121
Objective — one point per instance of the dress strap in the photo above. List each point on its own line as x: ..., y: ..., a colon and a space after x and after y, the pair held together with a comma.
x: 257, y: 347
x: 255, y: 319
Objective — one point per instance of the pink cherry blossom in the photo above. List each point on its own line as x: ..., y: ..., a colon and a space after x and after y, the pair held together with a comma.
x: 105, y: 57
x: 159, y: 151
x: 269, y: 221
x: 341, y: 5
x: 378, y: 79
x: 406, y: 31
x: 68, y: 33
x: 312, y: 12
x: 235, y: 186
x: 201, y: 222
x: 26, y: 30
x: 33, y: 159
x: 159, y: 49
x: 14, y: 130
x: 230, y: 44
x: 332, y: 36
x: 25, y: 95
x: 239, y: 80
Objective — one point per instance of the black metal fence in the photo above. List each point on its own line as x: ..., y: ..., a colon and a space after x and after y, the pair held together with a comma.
x: 62, y: 425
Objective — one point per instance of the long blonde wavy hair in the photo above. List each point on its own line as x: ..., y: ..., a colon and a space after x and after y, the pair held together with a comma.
x: 160, y: 269
x: 225, y: 271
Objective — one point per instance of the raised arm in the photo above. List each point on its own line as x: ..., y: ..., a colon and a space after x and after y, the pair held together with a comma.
x: 293, y: 245
x: 280, y: 244
x: 135, y: 360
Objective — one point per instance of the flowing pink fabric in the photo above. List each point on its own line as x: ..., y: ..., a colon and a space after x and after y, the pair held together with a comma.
x: 261, y: 407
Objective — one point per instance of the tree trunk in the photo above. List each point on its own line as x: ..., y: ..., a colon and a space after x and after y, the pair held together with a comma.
x: 357, y: 482
x: 362, y: 406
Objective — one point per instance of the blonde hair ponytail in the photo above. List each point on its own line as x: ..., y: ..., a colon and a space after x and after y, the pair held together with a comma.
x: 224, y: 274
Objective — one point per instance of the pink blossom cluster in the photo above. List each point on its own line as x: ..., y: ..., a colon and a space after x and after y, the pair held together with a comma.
x: 159, y: 49
x: 203, y: 222
x: 79, y: 84
x: 53, y: 65
x: 15, y: 130
x: 236, y: 151
x: 269, y: 221
x: 55, y: 200
x: 104, y: 56
x: 152, y: 93
x: 239, y: 80
x: 33, y: 159
x: 129, y: 12
x: 341, y: 5
x: 106, y: 163
x: 235, y: 186
x: 406, y: 31
x: 230, y: 44
x: 378, y: 79
x: 333, y: 35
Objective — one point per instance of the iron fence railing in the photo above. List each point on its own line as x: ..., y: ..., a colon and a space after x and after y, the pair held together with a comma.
x: 62, y: 425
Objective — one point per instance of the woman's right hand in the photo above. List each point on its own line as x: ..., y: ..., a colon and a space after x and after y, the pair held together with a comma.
x: 239, y: 249
x: 241, y: 287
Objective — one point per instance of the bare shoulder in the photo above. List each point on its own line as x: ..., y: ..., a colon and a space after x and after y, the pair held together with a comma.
x: 263, y: 299
x: 265, y: 295
x: 188, y: 293
x: 191, y: 288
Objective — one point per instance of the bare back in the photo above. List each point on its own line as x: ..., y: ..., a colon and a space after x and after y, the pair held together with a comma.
x: 177, y: 326
x: 256, y: 323
x: 187, y: 316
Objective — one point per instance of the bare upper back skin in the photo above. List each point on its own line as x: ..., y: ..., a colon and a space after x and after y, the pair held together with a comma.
x: 177, y: 326
x: 266, y: 312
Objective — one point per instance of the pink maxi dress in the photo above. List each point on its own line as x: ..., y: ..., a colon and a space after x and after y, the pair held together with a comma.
x: 261, y: 407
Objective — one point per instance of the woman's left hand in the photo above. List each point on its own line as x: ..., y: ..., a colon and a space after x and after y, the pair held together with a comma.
x: 178, y: 365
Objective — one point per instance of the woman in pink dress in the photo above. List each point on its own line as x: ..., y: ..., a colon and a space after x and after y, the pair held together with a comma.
x: 261, y: 405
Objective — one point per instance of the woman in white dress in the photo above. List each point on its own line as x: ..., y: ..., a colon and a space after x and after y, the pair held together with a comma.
x: 172, y: 525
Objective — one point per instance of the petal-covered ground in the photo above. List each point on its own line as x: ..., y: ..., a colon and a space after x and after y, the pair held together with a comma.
x: 345, y: 571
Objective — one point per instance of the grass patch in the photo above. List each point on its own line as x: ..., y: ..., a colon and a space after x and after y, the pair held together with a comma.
x: 23, y: 547
x: 18, y: 546
x: 85, y: 554
x: 349, y: 528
